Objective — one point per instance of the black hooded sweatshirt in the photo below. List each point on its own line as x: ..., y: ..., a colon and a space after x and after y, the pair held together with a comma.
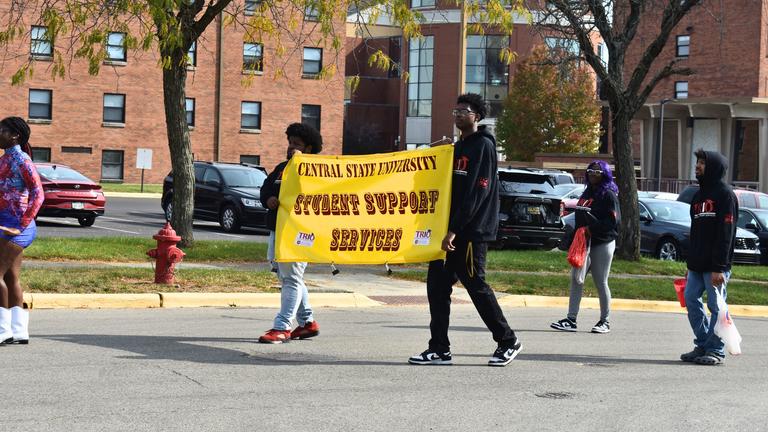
x: 714, y: 215
x: 475, y: 194
x: 599, y: 212
x: 271, y: 188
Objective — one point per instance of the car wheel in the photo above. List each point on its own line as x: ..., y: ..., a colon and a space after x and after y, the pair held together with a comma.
x: 668, y: 250
x: 86, y: 221
x: 229, y: 220
x: 169, y: 210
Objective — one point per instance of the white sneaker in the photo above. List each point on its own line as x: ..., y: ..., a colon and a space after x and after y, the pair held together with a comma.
x: 601, y: 327
x: 430, y: 357
x: 565, y: 324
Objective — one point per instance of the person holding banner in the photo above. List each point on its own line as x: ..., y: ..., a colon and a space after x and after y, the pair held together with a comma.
x: 714, y: 217
x: 294, y: 297
x: 473, y: 222
x: 21, y: 195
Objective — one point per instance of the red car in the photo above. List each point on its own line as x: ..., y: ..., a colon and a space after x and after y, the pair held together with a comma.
x: 70, y: 194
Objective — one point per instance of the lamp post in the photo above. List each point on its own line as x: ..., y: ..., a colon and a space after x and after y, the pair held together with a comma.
x: 661, y: 139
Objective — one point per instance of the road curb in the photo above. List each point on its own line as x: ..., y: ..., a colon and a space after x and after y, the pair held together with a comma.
x: 186, y: 300
x: 91, y: 301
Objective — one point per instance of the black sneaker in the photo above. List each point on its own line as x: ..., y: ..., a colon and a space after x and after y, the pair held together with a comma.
x: 565, y: 324
x: 602, y: 326
x: 503, y: 356
x: 710, y: 359
x: 691, y: 356
x: 430, y: 357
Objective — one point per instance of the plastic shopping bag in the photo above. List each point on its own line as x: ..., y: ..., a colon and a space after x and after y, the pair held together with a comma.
x: 577, y: 253
x: 725, y: 328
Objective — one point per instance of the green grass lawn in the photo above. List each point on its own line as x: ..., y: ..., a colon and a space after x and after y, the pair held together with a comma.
x: 131, y: 249
x: 131, y: 187
x: 139, y: 280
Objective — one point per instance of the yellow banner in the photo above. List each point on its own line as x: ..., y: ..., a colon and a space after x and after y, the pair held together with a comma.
x: 374, y: 209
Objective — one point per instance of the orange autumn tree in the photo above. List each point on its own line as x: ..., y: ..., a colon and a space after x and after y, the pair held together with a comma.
x: 551, y: 108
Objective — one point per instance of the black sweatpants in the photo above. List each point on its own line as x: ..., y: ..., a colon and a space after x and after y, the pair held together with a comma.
x: 470, y: 270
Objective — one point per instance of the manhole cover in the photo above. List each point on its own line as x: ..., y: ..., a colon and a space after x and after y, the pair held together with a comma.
x: 556, y: 395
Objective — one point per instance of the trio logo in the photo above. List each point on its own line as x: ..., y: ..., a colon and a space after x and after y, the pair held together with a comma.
x: 305, y: 239
x: 422, y: 238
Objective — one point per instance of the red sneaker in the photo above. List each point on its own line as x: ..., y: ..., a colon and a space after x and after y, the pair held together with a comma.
x: 276, y: 336
x: 308, y: 330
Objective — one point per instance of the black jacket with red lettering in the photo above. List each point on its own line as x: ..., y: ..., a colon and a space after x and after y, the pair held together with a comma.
x: 714, y: 215
x: 600, y: 213
x: 271, y: 188
x: 475, y: 193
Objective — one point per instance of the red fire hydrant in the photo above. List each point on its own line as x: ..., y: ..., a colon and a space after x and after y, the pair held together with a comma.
x: 166, y: 254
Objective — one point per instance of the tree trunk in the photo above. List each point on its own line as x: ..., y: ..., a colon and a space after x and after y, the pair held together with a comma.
x: 174, y: 81
x: 628, y: 245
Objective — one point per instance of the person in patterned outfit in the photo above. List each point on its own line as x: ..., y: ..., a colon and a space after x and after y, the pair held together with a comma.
x: 21, y: 195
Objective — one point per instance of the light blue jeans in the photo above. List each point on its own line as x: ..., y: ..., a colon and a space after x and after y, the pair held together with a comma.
x: 703, y: 326
x: 294, y: 297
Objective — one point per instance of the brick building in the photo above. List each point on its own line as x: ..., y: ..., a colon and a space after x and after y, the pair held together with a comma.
x: 238, y: 110
x: 388, y: 113
x: 722, y: 107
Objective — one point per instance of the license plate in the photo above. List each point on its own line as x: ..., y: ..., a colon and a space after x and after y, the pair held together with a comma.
x: 77, y: 205
x: 534, y: 210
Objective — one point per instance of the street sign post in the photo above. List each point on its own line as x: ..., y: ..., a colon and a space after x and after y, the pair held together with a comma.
x: 143, y: 161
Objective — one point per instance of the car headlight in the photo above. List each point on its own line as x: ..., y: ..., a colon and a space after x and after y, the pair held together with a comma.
x: 249, y: 202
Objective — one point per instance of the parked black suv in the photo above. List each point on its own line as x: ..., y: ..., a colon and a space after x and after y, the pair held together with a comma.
x: 530, y: 213
x: 227, y: 193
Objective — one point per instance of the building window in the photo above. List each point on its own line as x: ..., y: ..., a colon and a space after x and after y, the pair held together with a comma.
x: 251, y: 6
x: 420, y: 66
x: 116, y: 47
x: 683, y: 46
x: 40, y: 104
x: 114, y: 108
x: 562, y: 45
x: 192, y: 55
x: 250, y: 115
x: 250, y: 159
x: 313, y: 61
x: 253, y: 57
x: 310, y: 115
x: 681, y: 90
x: 41, y: 154
x: 311, y: 13
x: 422, y: 3
x: 112, y: 165
x: 80, y: 150
x: 41, y: 45
x: 487, y: 75
x: 189, y: 105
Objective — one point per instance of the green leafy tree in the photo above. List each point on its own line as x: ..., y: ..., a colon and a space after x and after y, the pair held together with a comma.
x: 626, y: 86
x: 550, y: 108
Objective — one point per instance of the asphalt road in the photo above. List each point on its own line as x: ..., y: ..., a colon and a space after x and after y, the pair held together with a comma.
x: 136, y: 217
x: 200, y: 369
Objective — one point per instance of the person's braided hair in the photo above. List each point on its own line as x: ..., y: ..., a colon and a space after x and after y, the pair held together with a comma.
x: 19, y: 126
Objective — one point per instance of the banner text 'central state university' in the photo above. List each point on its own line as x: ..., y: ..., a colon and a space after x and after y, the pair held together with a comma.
x: 374, y: 209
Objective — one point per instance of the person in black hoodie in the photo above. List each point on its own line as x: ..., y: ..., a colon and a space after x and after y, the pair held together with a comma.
x: 598, y: 210
x: 473, y: 222
x: 714, y: 215
x: 294, y: 297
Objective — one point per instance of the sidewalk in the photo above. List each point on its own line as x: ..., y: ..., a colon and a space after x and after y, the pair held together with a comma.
x: 353, y: 286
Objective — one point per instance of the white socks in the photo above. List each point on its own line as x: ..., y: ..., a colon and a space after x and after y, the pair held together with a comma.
x: 5, y: 325
x: 20, y: 325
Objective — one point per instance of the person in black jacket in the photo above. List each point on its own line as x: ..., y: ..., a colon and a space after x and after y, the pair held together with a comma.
x: 714, y: 215
x: 294, y: 297
x: 598, y: 211
x: 473, y: 222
